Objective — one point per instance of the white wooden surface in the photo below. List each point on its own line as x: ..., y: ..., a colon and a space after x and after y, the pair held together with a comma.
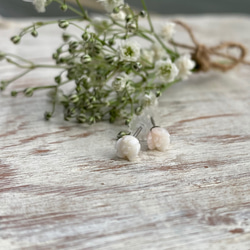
x: 61, y: 186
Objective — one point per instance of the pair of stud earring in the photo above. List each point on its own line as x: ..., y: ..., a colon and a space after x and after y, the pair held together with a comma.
x: 128, y: 146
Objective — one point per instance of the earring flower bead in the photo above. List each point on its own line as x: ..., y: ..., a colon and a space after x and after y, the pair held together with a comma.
x: 128, y: 147
x: 158, y: 138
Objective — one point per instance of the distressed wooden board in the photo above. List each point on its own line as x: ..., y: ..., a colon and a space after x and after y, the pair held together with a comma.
x: 61, y: 186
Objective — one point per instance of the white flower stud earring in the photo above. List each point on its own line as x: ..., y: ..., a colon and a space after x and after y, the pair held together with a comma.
x: 128, y: 146
x: 158, y: 138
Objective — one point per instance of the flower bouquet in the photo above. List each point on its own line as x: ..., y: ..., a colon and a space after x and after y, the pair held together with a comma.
x: 114, y: 77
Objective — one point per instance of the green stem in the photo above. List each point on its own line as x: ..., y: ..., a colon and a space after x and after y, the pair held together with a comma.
x: 71, y: 8
x: 17, y: 64
x: 169, y: 51
x: 83, y: 11
x: 77, y: 26
x: 37, y: 25
x: 166, y: 86
x: 7, y: 82
x: 45, y: 87
x: 141, y: 34
x: 148, y: 16
x: 19, y: 58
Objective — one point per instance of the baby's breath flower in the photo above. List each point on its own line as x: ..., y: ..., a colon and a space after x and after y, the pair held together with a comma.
x: 129, y: 51
x: 120, y: 82
x: 101, y: 24
x: 120, y: 16
x: 147, y: 56
x: 168, y: 31
x: 166, y: 70
x: 109, y: 5
x: 159, y: 51
x: 39, y: 4
x: 130, y: 89
x: 150, y: 99
x: 185, y: 65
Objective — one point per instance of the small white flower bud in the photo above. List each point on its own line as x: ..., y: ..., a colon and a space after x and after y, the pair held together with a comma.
x: 63, y: 24
x: 120, y: 16
x: 28, y: 92
x: 143, y: 13
x: 86, y: 59
x: 131, y: 26
x: 15, y: 39
x: 85, y: 36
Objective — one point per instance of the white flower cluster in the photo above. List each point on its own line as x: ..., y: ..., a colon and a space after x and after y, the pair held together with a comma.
x: 164, y: 69
x: 111, y: 49
x: 167, y: 71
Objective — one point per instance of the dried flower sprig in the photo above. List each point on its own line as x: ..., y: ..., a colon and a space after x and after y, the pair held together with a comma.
x: 113, y: 76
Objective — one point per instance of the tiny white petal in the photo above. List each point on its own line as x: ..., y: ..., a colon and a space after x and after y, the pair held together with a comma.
x: 128, y: 147
x: 158, y: 138
x: 185, y: 65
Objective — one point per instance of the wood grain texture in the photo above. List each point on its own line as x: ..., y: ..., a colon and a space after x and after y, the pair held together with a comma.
x: 62, y: 187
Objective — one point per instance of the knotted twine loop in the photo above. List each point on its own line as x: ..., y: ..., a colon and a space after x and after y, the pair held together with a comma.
x: 202, y: 54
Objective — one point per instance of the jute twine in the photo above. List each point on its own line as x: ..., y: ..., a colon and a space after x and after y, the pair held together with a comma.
x: 201, y: 53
